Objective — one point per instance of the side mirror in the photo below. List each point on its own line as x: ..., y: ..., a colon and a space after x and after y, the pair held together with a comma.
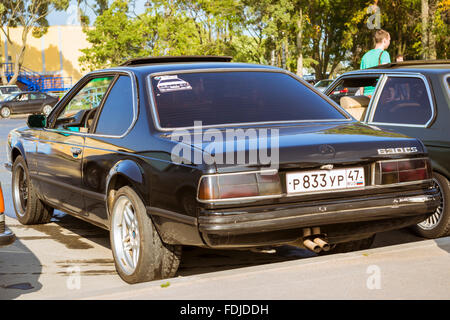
x: 37, y: 121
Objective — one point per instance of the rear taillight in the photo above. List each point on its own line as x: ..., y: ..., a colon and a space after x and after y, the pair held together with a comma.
x: 239, y: 185
x: 398, y: 171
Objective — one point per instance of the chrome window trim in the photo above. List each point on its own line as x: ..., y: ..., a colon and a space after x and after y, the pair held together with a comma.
x: 155, y: 115
x: 135, y: 104
x: 374, y: 100
x: 404, y: 75
x: 446, y: 83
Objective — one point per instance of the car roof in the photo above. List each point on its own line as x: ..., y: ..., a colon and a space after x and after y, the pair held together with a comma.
x: 148, y: 65
x: 414, y: 66
x: 19, y: 92
x: 171, y: 59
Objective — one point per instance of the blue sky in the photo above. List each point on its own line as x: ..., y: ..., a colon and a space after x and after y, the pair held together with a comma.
x: 69, y: 16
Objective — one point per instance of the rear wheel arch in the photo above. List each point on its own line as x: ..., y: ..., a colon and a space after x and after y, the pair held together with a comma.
x: 125, y: 173
x: 440, y: 170
x: 18, y: 151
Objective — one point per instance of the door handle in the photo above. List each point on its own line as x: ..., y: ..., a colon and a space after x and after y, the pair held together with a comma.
x: 75, y: 151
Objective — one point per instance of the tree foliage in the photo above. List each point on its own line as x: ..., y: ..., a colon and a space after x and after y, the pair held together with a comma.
x: 327, y: 36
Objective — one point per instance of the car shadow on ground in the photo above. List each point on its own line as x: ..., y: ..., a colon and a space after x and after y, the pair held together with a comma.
x: 20, y: 270
x: 75, y: 233
x: 194, y: 260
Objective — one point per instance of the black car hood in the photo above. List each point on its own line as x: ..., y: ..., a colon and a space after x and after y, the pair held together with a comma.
x: 304, y: 146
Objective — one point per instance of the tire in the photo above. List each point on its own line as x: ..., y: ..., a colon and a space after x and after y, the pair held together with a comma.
x: 5, y: 112
x: 47, y: 109
x: 27, y: 205
x: 355, y: 245
x: 145, y: 256
x: 437, y: 225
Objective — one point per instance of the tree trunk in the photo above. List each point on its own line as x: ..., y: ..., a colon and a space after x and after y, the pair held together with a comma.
x: 2, y: 74
x: 299, y: 45
x: 20, y: 56
x: 431, y: 36
x: 424, y: 16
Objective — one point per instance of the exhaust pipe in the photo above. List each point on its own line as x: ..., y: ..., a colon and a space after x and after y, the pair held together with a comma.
x: 312, y: 246
x: 322, y: 244
x: 317, y: 244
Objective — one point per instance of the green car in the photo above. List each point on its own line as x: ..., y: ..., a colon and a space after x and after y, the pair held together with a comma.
x: 411, y: 98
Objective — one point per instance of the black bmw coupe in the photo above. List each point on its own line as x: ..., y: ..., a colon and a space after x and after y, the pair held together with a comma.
x: 172, y: 151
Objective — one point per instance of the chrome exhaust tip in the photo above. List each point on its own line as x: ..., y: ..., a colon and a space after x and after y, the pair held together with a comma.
x: 314, y: 247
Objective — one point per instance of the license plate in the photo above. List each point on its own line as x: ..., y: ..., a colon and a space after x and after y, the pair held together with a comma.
x: 323, y: 180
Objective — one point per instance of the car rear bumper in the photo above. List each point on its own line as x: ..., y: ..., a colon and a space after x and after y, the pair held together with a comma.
x: 274, y: 224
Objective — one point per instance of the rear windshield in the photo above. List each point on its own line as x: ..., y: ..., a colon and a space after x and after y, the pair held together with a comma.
x: 217, y: 98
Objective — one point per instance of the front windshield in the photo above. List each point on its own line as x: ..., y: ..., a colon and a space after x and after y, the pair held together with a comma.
x: 220, y: 98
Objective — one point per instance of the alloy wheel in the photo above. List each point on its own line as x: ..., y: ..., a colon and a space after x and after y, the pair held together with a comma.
x: 126, y: 238
x: 20, y: 190
x: 5, y: 112
x: 46, y: 110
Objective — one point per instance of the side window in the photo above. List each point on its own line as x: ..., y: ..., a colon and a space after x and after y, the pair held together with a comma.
x: 350, y: 94
x: 22, y: 97
x: 403, y: 101
x: 117, y: 112
x: 83, y: 105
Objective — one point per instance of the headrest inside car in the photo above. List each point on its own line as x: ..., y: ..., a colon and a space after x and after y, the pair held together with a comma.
x: 356, y: 105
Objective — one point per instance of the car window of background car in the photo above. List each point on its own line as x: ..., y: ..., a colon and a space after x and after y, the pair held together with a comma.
x: 347, y: 93
x: 22, y: 97
x: 89, y: 97
x: 117, y: 112
x: 351, y: 87
x: 8, y: 90
x: 404, y: 100
x: 236, y: 97
x: 10, y: 98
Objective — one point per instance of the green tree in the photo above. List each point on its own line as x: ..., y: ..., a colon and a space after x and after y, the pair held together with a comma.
x: 115, y: 37
x: 168, y: 27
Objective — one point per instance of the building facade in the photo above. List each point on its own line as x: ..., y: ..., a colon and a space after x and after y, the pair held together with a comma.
x: 55, y: 53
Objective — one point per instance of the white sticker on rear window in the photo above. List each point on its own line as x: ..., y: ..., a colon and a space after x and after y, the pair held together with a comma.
x: 172, y: 83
